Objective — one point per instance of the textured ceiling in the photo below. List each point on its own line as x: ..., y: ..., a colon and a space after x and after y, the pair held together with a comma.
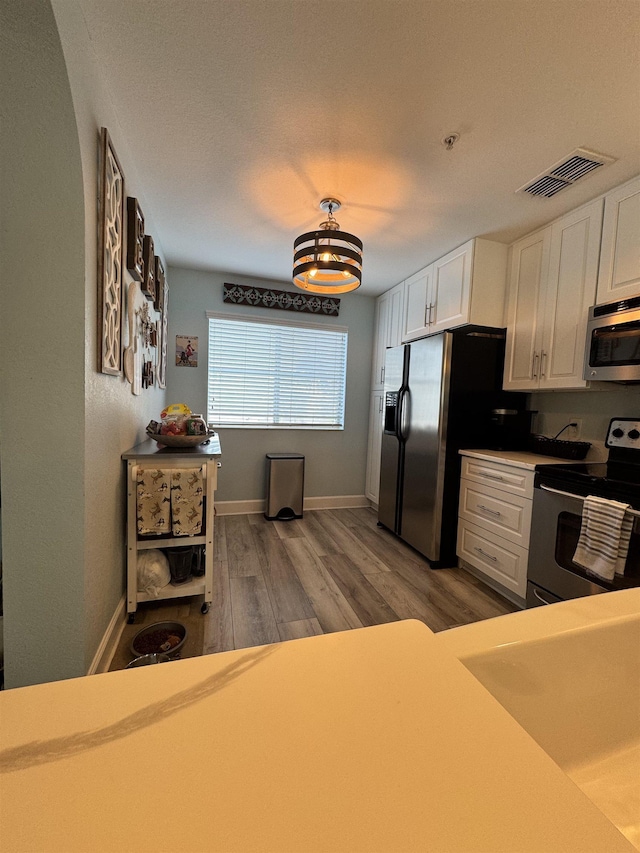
x: 242, y: 114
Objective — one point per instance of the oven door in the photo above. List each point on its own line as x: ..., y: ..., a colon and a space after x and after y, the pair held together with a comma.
x: 612, y: 349
x: 555, y: 526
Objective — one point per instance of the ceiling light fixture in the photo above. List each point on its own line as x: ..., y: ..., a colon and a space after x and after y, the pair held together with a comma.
x: 327, y: 260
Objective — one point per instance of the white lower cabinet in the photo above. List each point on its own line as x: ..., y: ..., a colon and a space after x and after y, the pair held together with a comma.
x: 494, y: 557
x: 376, y: 418
x: 494, y: 523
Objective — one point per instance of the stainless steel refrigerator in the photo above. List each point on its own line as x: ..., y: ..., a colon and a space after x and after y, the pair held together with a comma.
x: 440, y: 393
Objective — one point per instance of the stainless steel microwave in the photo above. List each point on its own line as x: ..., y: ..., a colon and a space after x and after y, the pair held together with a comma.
x: 612, y: 351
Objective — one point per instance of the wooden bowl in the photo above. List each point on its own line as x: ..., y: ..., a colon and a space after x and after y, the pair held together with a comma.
x: 180, y: 440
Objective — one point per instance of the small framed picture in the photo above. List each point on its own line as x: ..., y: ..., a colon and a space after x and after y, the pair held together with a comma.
x: 148, y: 284
x: 186, y: 351
x: 135, y: 239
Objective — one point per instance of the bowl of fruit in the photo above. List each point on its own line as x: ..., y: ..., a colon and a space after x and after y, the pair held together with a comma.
x: 179, y: 427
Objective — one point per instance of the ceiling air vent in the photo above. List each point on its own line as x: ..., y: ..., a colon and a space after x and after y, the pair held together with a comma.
x: 566, y: 172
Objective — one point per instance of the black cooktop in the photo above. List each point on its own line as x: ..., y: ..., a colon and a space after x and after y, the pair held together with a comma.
x: 615, y: 480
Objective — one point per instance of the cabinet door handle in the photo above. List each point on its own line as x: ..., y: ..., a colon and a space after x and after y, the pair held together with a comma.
x: 492, y: 476
x: 379, y: 405
x: 427, y: 309
x: 484, y: 554
x: 486, y: 509
x: 534, y: 365
x: 432, y: 305
x: 382, y: 375
x: 543, y: 361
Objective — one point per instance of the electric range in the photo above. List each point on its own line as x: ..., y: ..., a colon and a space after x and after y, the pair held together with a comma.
x: 557, y: 516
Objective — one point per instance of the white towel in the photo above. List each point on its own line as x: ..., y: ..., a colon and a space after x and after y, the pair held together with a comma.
x: 604, y: 537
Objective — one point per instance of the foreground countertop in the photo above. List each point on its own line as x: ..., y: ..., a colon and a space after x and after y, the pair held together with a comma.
x: 518, y: 458
x: 376, y: 739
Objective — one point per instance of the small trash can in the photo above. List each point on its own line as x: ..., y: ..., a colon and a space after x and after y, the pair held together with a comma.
x: 180, y: 560
x: 285, y: 486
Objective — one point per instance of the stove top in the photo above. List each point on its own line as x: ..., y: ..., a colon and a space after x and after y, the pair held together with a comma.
x: 617, y: 479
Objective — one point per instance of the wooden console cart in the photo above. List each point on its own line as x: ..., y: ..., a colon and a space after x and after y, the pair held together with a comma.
x: 205, y: 457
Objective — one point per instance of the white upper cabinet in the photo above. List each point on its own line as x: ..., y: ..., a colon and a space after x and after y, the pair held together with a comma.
x: 619, y: 276
x: 529, y: 271
x: 388, y: 329
x: 552, y: 284
x: 465, y: 286
x: 417, y: 298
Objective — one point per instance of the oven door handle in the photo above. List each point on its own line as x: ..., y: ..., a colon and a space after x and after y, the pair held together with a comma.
x: 579, y: 498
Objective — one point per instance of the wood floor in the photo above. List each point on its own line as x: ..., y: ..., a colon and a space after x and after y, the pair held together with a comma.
x: 329, y: 571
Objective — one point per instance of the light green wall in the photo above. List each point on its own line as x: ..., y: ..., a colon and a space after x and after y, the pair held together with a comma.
x: 41, y: 353
x: 114, y: 417
x: 335, y: 461
x: 63, y: 425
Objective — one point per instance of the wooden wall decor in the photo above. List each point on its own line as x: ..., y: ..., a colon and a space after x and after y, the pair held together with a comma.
x: 135, y: 239
x: 162, y: 337
x: 159, y: 284
x: 239, y: 294
x: 110, y: 256
x: 148, y: 284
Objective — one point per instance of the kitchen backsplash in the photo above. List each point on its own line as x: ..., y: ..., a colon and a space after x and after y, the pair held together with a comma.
x: 593, y: 407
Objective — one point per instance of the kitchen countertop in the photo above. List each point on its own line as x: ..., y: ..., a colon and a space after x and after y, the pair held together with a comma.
x: 152, y: 448
x: 518, y: 458
x: 376, y: 739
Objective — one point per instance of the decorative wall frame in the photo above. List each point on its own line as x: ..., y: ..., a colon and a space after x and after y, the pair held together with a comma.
x: 148, y: 284
x: 110, y: 252
x: 266, y: 297
x: 159, y: 284
x: 161, y: 352
x: 135, y: 239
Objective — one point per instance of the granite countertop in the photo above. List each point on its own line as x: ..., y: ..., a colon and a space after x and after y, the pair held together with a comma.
x: 149, y: 447
x: 371, y: 739
x: 519, y: 458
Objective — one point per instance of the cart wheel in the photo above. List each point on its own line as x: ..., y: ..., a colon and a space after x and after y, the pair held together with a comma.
x: 204, y: 608
x: 131, y: 618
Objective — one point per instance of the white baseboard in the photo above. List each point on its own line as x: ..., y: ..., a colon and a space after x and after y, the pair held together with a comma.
x: 104, y: 654
x: 330, y: 502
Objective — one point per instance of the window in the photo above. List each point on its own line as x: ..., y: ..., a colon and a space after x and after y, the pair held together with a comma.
x: 275, y: 375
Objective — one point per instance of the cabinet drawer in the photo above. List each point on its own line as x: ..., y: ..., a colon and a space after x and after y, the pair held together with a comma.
x: 501, y: 513
x: 507, y: 478
x: 498, y: 559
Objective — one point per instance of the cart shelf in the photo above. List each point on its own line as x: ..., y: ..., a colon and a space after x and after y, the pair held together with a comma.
x: 148, y: 454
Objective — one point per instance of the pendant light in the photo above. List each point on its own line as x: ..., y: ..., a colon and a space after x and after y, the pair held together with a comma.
x: 327, y: 260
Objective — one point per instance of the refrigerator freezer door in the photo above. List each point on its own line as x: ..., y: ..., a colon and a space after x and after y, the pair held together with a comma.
x: 391, y: 456
x: 424, y: 429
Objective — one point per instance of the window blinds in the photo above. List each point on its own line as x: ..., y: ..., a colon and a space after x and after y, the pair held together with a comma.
x: 275, y: 375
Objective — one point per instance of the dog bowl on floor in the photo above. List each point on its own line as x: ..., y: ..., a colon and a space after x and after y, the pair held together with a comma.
x: 146, y: 660
x: 159, y: 638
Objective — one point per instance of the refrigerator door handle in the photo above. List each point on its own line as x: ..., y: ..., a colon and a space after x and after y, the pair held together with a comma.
x: 402, y: 411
